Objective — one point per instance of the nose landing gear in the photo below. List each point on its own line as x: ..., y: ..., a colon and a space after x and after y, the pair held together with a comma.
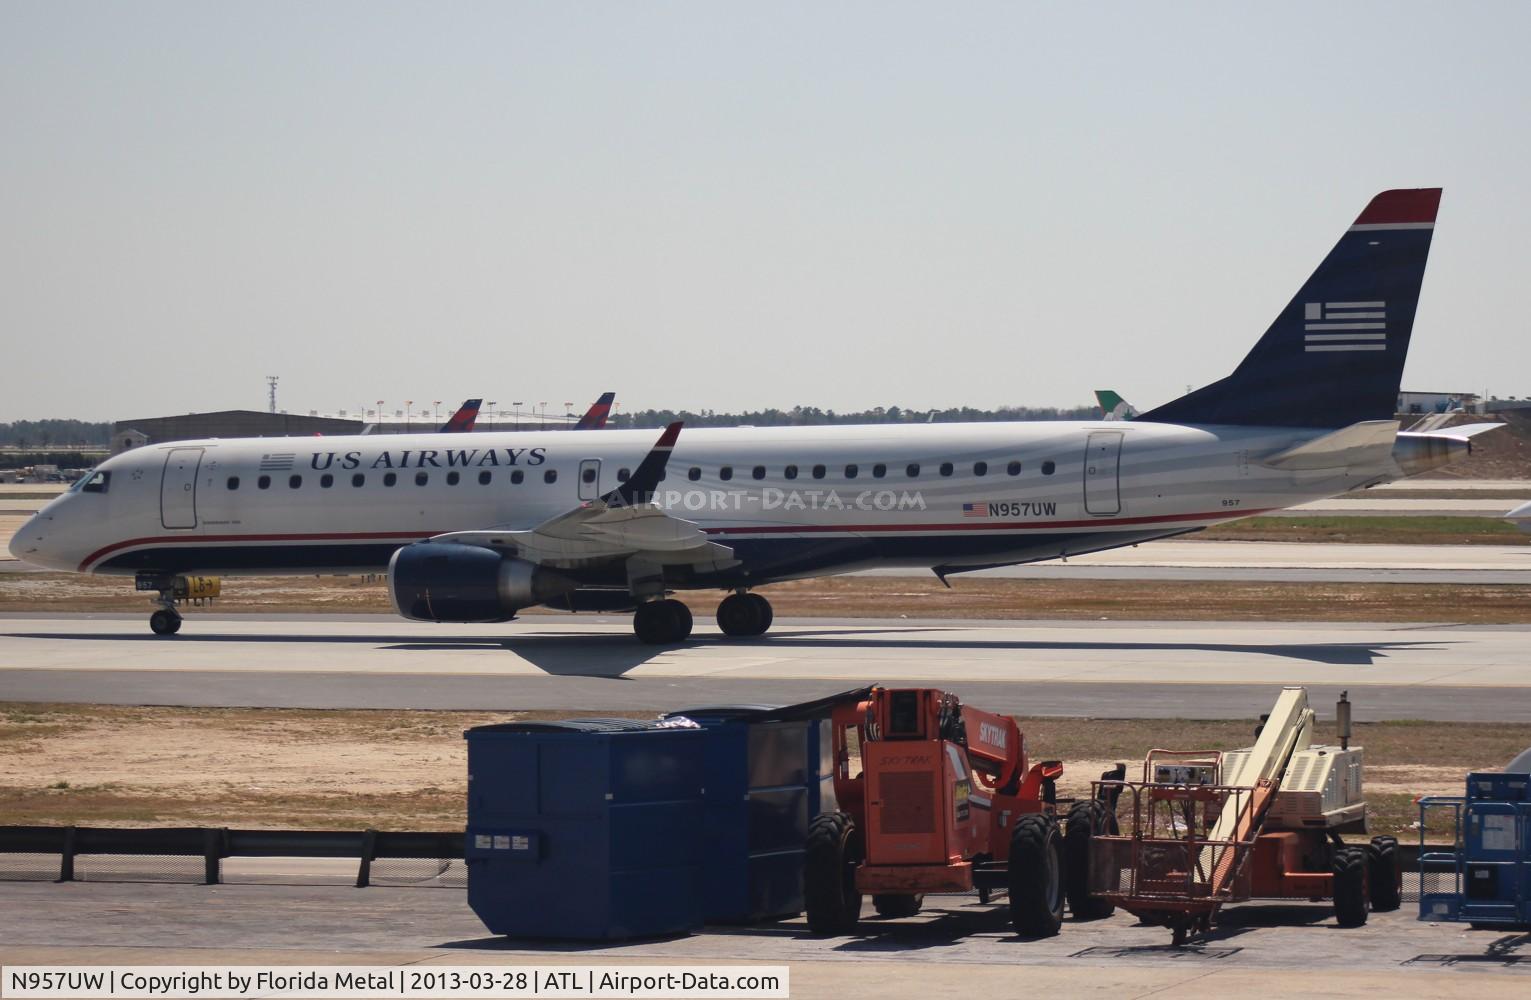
x: 171, y: 591
x: 165, y: 621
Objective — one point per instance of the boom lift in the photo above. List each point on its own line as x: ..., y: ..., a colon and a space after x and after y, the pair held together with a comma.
x: 935, y: 797
x: 1209, y: 828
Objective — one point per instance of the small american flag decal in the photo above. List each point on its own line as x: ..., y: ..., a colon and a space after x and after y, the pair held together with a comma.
x: 975, y: 510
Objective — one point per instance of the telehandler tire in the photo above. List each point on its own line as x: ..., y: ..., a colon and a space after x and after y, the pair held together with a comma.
x: 833, y: 850
x: 1036, y: 876
x: 1087, y: 819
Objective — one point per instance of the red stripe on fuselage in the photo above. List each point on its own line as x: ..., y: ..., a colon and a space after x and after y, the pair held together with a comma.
x: 775, y: 529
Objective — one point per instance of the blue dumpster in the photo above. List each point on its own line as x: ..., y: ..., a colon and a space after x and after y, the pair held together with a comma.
x: 588, y: 829
x: 769, y: 771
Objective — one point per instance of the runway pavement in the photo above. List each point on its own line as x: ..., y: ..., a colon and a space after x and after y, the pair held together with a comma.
x: 1120, y: 669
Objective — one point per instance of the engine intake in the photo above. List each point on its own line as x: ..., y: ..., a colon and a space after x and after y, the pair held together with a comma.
x: 447, y: 582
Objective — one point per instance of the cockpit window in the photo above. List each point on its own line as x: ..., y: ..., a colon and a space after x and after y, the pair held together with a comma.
x: 97, y: 482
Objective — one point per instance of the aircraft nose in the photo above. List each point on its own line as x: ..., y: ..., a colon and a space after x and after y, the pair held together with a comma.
x: 29, y: 543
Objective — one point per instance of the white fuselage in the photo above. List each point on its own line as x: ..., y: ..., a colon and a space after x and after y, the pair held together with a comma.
x: 790, y: 501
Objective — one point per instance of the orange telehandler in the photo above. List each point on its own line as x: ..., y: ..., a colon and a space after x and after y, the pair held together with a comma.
x: 938, y: 797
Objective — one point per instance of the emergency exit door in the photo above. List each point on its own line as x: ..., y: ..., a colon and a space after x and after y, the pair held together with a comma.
x: 589, y: 479
x: 178, y: 488
x: 1102, y: 473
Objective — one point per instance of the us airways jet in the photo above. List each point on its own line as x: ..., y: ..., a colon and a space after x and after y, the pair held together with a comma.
x: 474, y: 528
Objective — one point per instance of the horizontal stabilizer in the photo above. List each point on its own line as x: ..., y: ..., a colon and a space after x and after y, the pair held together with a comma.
x: 1462, y: 432
x: 1367, y: 443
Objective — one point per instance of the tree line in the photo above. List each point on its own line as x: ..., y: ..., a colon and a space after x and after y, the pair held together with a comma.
x: 54, y: 433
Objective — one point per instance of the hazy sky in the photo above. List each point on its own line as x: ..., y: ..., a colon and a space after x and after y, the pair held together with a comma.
x: 727, y: 205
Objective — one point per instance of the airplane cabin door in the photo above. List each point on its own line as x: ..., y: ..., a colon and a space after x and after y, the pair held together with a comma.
x: 178, y: 488
x: 1102, y: 473
x: 590, y: 479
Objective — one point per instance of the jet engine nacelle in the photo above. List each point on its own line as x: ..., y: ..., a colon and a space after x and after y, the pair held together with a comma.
x: 446, y: 582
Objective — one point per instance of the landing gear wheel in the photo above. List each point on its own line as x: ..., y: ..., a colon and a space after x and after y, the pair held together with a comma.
x: 164, y: 622
x: 1036, y: 876
x: 1350, y: 886
x: 830, y: 898
x: 744, y: 614
x: 888, y: 904
x: 1087, y: 819
x: 1382, y: 874
x: 662, y: 622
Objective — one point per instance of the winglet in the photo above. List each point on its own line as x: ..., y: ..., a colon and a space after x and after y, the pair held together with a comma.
x: 640, y: 486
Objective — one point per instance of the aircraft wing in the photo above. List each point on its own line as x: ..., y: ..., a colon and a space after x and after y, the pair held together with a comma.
x: 623, y: 524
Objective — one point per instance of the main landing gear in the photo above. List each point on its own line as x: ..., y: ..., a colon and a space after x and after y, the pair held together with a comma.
x: 662, y: 622
x: 744, y: 614
x: 666, y: 621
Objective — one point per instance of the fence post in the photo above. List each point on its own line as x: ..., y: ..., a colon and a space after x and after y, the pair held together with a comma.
x: 368, y: 851
x: 66, y: 857
x: 212, y: 855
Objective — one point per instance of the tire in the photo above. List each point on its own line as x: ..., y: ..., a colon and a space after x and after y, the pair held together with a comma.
x: 890, y: 904
x: 680, y: 620
x: 1087, y: 819
x: 164, y: 622
x: 1349, y: 869
x: 1036, y: 876
x: 763, y: 612
x: 1382, y: 874
x: 833, y: 850
x: 661, y: 623
x: 737, y: 615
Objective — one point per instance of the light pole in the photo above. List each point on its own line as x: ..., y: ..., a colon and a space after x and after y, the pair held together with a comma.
x: 516, y: 415
x: 380, y: 415
x: 436, y: 413
x: 543, y: 424
x: 407, y: 404
x: 491, y: 404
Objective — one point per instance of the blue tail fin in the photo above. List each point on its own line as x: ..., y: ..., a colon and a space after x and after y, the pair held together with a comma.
x: 1335, y: 354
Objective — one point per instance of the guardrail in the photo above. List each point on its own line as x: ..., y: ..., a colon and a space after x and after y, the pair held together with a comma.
x: 214, y: 844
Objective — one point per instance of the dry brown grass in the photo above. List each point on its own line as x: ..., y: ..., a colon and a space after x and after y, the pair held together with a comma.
x: 285, y: 768
x: 885, y: 597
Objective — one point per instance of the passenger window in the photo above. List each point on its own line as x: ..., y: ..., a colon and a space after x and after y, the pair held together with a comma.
x: 726, y: 473
x: 484, y: 477
x: 1047, y: 468
x: 453, y: 478
x: 879, y: 470
x: 588, y: 475
x: 790, y: 472
x: 1014, y: 468
x: 818, y: 471
x: 912, y: 470
x: 946, y: 468
x: 623, y: 475
x: 516, y: 476
x: 358, y: 480
x: 264, y: 482
x: 694, y: 474
x: 293, y: 482
x: 758, y: 472
x: 421, y: 478
x: 233, y: 482
x: 980, y: 468
x: 326, y: 480
x: 851, y: 471
x: 389, y: 478
x: 550, y: 476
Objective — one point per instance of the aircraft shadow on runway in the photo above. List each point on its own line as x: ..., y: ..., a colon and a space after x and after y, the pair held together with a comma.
x: 581, y: 654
